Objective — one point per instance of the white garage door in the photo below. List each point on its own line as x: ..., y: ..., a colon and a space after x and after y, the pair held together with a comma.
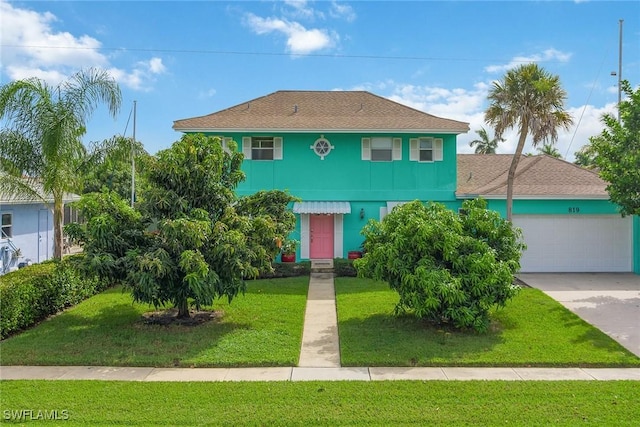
x: 567, y: 243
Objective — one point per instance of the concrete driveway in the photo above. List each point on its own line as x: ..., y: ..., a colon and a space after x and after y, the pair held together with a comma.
x: 608, y: 301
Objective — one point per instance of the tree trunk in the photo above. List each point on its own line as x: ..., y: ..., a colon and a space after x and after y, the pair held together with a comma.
x: 513, y: 167
x: 183, y: 309
x: 58, y: 219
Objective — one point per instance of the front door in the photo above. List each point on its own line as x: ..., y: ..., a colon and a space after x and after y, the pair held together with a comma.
x: 321, y: 237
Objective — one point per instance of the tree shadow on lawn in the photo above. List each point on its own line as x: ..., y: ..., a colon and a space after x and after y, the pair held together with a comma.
x: 592, y: 335
x: 116, y: 335
x: 387, y: 340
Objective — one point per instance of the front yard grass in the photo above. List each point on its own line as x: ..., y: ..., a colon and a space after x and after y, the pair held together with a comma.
x: 532, y: 330
x: 261, y: 328
x: 383, y: 403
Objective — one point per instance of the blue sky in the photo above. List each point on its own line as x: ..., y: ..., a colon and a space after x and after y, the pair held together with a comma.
x: 185, y: 59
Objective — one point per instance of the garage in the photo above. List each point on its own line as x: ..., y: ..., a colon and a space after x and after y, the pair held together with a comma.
x: 571, y: 243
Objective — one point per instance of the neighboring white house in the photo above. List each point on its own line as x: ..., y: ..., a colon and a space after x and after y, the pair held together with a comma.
x: 26, y: 234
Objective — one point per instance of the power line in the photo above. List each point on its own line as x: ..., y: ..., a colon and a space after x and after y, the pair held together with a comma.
x: 253, y: 53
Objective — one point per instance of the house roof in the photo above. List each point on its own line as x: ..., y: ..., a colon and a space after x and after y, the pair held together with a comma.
x: 8, y: 198
x: 538, y: 176
x: 346, y: 111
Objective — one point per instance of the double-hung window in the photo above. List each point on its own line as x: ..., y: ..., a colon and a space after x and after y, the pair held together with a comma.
x: 262, y: 147
x: 381, y: 149
x: 425, y: 149
x: 6, y: 231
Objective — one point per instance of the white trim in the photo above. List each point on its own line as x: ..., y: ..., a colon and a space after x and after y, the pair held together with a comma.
x: 246, y: 147
x: 438, y: 148
x: 366, y: 149
x: 396, y: 151
x: 277, y: 148
x: 532, y: 197
x: 321, y: 130
x: 305, y: 241
x: 338, y: 235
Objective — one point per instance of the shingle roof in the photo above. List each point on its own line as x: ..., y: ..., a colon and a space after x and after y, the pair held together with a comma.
x: 537, y: 176
x: 321, y: 111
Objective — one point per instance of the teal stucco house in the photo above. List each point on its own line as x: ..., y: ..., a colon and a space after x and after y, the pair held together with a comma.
x: 351, y: 155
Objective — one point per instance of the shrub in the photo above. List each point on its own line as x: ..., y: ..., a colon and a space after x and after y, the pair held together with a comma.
x: 288, y: 269
x: 31, y: 294
x: 344, y: 268
x: 447, y: 268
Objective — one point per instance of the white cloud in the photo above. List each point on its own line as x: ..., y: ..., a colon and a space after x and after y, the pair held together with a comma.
x: 342, y: 11
x: 468, y: 105
x: 300, y: 9
x: 33, y: 48
x: 299, y: 39
x: 547, y: 55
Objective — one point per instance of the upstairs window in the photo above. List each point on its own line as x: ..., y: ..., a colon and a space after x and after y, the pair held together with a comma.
x: 262, y: 147
x: 381, y: 149
x: 425, y: 149
x: 6, y: 231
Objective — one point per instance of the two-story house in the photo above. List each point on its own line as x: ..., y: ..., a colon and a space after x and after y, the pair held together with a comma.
x: 352, y: 155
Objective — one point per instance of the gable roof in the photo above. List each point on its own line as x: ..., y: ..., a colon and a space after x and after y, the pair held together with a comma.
x: 538, y: 176
x: 346, y: 111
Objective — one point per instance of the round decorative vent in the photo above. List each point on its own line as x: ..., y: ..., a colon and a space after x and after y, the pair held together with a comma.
x: 322, y: 147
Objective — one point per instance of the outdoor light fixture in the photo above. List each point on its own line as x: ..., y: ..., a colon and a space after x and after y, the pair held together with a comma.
x: 362, y: 213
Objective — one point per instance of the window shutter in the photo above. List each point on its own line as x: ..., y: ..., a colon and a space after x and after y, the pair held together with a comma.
x: 437, y: 149
x: 225, y: 143
x: 246, y: 147
x: 397, y: 149
x: 414, y: 150
x: 277, y: 148
x: 366, y: 148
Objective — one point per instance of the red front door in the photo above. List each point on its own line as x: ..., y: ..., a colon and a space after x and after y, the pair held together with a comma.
x: 321, y: 236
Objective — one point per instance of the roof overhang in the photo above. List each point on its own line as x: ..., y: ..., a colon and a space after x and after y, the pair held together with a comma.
x: 322, y: 207
x: 322, y: 130
x: 535, y: 197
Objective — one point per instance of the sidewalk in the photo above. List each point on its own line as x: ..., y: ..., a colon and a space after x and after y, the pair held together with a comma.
x: 319, y: 361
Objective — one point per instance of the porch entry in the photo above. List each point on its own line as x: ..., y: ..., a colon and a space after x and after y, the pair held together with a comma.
x: 321, y: 236
x: 321, y: 228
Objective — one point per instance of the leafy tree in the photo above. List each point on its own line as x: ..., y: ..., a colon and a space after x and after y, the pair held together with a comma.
x: 586, y: 157
x: 42, y: 137
x: 618, y: 152
x: 206, y: 241
x: 108, y: 166
x: 531, y: 99
x: 485, y: 145
x: 447, y: 268
x: 550, y: 150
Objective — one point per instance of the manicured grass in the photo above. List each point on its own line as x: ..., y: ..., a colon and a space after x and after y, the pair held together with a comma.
x: 532, y: 330
x: 261, y: 328
x: 329, y: 403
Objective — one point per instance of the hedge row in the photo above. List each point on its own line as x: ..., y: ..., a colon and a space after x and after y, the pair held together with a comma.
x: 29, y: 295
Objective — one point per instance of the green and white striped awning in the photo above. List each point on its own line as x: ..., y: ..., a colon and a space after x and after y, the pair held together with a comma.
x: 322, y: 207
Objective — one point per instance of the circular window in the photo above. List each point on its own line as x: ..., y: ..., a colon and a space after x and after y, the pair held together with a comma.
x: 322, y: 147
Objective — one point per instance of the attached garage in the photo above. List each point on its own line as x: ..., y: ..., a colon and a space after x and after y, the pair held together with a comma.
x: 573, y: 243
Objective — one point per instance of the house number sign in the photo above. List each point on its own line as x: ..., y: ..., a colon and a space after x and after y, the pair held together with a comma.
x: 574, y: 209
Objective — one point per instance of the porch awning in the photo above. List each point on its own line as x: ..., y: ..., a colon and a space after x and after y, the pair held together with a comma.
x: 322, y: 207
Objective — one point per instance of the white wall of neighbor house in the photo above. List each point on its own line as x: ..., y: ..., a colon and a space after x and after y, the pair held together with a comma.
x: 585, y: 243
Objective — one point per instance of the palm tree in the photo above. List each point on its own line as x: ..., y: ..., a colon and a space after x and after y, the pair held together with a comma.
x: 550, y: 150
x: 531, y: 99
x: 485, y: 145
x: 40, y: 148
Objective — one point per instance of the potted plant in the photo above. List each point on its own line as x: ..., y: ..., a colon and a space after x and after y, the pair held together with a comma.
x: 288, y: 250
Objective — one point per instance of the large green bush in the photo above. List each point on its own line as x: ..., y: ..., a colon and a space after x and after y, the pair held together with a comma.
x: 29, y: 295
x: 447, y: 268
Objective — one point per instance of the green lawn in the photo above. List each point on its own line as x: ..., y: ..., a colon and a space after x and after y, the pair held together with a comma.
x: 532, y: 330
x: 384, y: 403
x: 261, y: 328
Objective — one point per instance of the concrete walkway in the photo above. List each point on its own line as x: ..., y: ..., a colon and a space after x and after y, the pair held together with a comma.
x: 319, y: 361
